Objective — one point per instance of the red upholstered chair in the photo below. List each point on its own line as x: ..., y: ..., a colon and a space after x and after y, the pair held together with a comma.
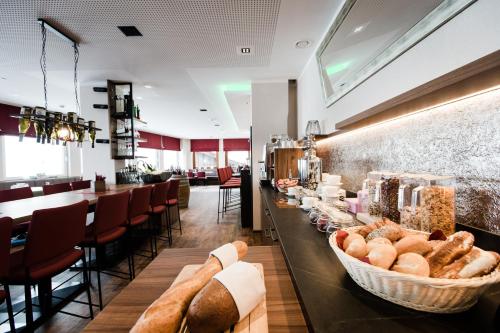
x: 159, y: 208
x: 80, y: 185
x: 5, y: 231
x: 56, y: 188
x: 173, y: 201
x: 45, y: 256
x: 16, y: 194
x: 109, y: 225
x: 202, y: 176
x: 138, y: 213
x: 227, y: 184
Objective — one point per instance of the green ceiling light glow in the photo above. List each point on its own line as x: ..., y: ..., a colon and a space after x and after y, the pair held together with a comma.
x: 236, y: 87
x: 330, y: 70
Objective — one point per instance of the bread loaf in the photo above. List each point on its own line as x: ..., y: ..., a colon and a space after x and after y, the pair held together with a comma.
x: 382, y: 256
x: 475, y: 263
x: 166, y: 313
x: 372, y: 226
x: 352, y: 236
x: 357, y: 248
x: 449, y: 250
x: 413, y: 243
x: 376, y: 242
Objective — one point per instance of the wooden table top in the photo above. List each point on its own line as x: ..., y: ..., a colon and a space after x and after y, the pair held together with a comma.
x: 21, y: 210
x: 283, y: 309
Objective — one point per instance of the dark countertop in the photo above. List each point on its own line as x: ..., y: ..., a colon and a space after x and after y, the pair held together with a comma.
x: 333, y: 302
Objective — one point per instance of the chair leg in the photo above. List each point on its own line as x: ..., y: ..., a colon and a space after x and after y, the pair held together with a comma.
x: 179, y: 217
x: 86, y: 281
x: 218, y: 207
x: 29, y: 307
x: 9, y: 309
x: 150, y: 226
x: 131, y: 252
x: 98, y: 271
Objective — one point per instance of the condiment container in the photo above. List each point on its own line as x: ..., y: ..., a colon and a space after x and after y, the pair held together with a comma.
x: 410, y: 217
x: 387, y: 193
x: 435, y: 201
x: 370, y: 184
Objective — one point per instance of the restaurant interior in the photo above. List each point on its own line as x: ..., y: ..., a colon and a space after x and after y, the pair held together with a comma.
x: 255, y: 166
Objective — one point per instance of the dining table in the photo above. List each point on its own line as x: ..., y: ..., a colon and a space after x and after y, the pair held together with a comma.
x: 22, y: 210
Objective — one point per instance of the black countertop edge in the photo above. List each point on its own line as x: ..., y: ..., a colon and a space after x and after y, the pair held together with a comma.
x: 332, y: 302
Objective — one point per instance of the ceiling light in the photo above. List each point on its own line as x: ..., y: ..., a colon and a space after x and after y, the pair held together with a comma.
x: 62, y: 106
x: 245, y: 50
x: 138, y: 97
x: 130, y: 31
x: 216, y: 125
x: 303, y: 44
x: 3, y: 77
x: 147, y: 86
x: 358, y: 29
x: 203, y: 110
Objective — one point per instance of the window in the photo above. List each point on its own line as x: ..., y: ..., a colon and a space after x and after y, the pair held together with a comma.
x: 237, y: 159
x: 204, y: 160
x: 170, y: 159
x: 28, y: 158
x: 149, y: 156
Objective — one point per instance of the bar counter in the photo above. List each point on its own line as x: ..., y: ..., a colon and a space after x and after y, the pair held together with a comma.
x: 332, y: 302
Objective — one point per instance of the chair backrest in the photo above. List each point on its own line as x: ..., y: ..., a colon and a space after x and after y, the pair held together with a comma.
x: 16, y: 194
x: 54, y: 232
x: 220, y: 175
x: 5, y: 232
x: 80, y: 185
x: 173, y: 189
x: 159, y: 194
x: 201, y: 174
x: 56, y: 188
x: 190, y: 174
x: 139, y: 201
x: 111, y: 211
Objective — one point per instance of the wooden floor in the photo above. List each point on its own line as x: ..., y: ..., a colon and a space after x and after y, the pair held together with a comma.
x: 199, y: 229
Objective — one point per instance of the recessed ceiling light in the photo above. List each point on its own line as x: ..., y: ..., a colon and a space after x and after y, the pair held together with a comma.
x: 358, y: 29
x: 216, y: 125
x: 245, y: 50
x: 3, y: 77
x: 203, y: 110
x: 303, y: 44
x: 138, y: 97
x: 147, y: 86
x: 61, y: 106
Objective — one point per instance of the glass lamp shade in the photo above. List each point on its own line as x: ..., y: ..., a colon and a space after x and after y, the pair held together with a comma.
x: 313, y: 128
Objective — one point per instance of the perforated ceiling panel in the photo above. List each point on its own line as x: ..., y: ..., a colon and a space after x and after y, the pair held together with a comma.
x: 190, y: 33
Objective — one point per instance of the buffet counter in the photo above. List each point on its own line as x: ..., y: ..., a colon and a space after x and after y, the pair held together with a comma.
x: 332, y: 302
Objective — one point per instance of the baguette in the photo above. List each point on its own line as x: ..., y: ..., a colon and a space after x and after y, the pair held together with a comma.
x: 166, y: 313
x: 449, y: 250
x: 475, y: 263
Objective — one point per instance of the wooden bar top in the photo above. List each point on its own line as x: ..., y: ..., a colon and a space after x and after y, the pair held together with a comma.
x: 21, y: 210
x: 283, y: 309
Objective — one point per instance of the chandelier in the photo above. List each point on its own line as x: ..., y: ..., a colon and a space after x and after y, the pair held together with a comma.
x: 50, y: 126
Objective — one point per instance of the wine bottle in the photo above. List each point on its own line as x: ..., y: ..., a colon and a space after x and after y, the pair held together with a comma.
x: 80, y: 132
x: 49, y: 126
x: 40, y: 114
x: 24, y: 121
x: 92, y: 132
x: 57, y: 126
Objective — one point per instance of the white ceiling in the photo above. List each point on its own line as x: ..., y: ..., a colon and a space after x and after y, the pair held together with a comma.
x: 188, y: 53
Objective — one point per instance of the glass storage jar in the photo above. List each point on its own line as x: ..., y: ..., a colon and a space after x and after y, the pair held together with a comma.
x: 435, y: 201
x: 370, y: 184
x: 410, y: 217
x: 387, y: 194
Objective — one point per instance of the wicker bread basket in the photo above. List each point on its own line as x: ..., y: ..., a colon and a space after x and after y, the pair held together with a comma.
x: 411, y: 291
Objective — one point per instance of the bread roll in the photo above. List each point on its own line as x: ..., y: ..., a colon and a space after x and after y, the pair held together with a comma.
x: 377, y: 242
x: 357, y: 248
x: 382, y: 256
x: 413, y: 243
x: 449, y: 250
x: 352, y: 236
x: 372, y: 226
x: 475, y: 263
x: 391, y: 232
x: 166, y: 313
x: 412, y: 263
x: 213, y: 310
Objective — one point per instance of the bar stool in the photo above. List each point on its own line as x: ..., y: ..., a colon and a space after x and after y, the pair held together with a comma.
x: 173, y: 201
x: 138, y: 215
x: 43, y: 258
x: 109, y: 225
x: 5, y: 231
x: 227, y: 183
x: 80, y: 185
x: 56, y: 188
x: 159, y: 209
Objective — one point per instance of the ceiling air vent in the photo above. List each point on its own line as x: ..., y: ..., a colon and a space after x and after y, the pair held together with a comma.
x: 130, y: 30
